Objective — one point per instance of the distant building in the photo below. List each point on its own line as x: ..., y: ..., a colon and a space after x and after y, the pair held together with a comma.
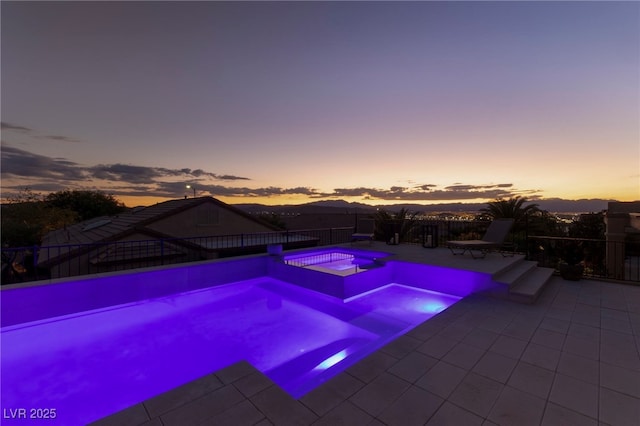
x: 169, y: 232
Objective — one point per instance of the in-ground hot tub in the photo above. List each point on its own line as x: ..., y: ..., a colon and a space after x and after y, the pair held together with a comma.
x: 338, y: 272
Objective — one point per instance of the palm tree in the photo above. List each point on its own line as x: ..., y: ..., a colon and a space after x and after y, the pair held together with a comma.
x: 510, y: 208
x: 387, y: 224
x: 513, y: 208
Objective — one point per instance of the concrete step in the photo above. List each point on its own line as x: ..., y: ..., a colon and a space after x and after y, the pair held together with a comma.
x: 528, y: 288
x: 516, y: 272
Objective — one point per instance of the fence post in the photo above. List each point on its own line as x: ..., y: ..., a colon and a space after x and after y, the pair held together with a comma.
x: 161, y: 251
x: 35, y: 260
x: 331, y: 235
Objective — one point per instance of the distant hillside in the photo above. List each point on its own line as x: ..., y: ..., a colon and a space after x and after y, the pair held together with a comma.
x: 340, y: 206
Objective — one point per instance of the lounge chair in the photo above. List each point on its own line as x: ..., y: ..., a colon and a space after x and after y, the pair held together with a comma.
x: 493, y: 239
x: 364, y: 231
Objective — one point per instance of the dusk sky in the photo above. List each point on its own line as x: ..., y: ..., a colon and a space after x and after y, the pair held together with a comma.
x: 290, y: 102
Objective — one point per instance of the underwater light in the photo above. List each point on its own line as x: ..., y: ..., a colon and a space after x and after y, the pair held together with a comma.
x: 432, y: 307
x: 332, y: 360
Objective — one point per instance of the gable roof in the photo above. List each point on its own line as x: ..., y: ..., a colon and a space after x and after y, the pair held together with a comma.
x: 111, y: 228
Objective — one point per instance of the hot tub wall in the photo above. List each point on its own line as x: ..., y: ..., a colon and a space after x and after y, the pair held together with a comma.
x: 456, y: 282
x: 36, y: 301
x: 367, y: 280
x: 308, y: 278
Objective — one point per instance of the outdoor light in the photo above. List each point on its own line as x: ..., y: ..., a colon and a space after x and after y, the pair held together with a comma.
x: 194, y: 190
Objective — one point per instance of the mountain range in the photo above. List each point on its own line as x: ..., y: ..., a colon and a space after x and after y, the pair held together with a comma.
x: 553, y: 205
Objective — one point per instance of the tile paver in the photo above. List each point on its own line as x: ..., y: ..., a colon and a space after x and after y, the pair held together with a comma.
x: 579, y: 368
x: 413, y: 366
x: 328, y: 396
x: 515, y: 407
x: 531, y: 378
x: 372, y: 366
x: 495, y: 366
x: 509, y: 346
x: 620, y: 379
x: 451, y: 415
x: 618, y: 409
x: 280, y: 408
x: 588, y: 348
x: 555, y: 415
x: 414, y: 407
x: 542, y: 356
x: 480, y: 338
x: 477, y: 394
x: 380, y: 393
x: 442, y: 379
x: 437, y: 346
x: 203, y: 408
x: 345, y: 414
x: 463, y: 355
x: 242, y: 414
x: 575, y: 394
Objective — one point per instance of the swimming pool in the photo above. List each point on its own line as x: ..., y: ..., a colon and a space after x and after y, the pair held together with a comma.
x: 91, y: 346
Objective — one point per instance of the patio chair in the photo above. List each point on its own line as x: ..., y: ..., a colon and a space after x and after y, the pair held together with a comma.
x: 364, y: 231
x: 493, y: 239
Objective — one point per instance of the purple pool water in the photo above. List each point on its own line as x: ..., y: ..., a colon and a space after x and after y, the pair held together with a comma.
x: 91, y: 364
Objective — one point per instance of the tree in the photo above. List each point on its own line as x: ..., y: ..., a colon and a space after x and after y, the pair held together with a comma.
x: 510, y: 208
x: 26, y: 218
x: 528, y: 218
x: 389, y: 224
x: 273, y: 219
x: 86, y: 204
x: 590, y: 225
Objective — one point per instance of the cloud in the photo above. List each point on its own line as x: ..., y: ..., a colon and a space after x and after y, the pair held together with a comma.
x: 60, y: 138
x: 429, y: 192
x: 21, y: 168
x: 7, y: 126
x: 33, y: 133
x: 43, y: 173
x: 24, y: 164
x: 149, y: 175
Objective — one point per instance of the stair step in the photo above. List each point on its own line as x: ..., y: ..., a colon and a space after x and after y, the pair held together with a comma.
x: 512, y: 275
x: 530, y: 286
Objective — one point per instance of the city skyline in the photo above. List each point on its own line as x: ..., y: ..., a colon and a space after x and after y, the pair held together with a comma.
x: 284, y: 103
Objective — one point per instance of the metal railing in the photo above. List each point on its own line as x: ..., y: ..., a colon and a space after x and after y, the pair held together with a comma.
x: 614, y: 260
x: 441, y: 231
x: 601, y: 259
x: 22, y: 264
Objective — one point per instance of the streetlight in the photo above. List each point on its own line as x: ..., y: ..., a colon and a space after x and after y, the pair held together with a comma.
x: 194, y: 190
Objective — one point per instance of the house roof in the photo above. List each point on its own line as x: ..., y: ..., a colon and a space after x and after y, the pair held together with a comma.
x: 112, y: 228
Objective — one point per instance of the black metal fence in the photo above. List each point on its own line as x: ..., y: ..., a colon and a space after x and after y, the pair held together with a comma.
x: 601, y: 259
x: 436, y: 233
x: 22, y: 264
x: 615, y: 260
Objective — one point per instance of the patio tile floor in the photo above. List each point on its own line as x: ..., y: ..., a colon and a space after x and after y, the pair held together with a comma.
x: 573, y: 357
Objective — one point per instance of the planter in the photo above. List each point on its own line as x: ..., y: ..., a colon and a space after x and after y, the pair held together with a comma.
x: 571, y: 272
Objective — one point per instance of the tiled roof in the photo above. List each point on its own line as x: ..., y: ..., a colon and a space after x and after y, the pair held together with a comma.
x: 113, y: 228
x: 109, y: 228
